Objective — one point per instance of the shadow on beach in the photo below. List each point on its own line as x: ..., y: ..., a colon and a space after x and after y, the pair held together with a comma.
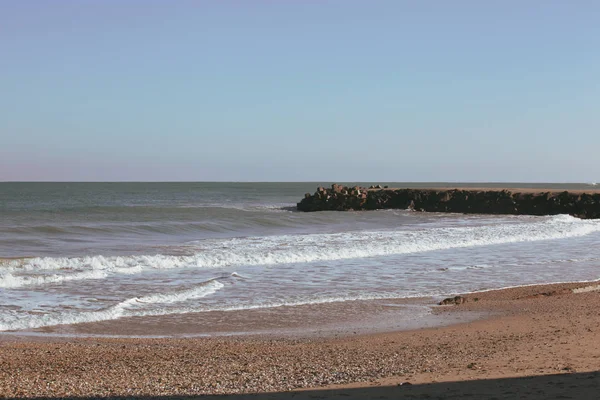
x: 562, y: 386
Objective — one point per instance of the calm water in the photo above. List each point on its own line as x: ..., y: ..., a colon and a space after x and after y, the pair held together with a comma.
x: 86, y: 252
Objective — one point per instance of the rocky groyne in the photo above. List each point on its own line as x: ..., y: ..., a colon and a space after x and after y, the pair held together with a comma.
x: 581, y: 204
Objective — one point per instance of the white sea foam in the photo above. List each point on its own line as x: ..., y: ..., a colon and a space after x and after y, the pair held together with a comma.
x: 197, y: 292
x: 133, y: 307
x: 287, y: 249
x: 9, y: 280
x: 151, y: 306
x: 275, y: 250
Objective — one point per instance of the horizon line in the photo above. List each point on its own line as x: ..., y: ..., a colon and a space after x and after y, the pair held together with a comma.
x: 293, y: 181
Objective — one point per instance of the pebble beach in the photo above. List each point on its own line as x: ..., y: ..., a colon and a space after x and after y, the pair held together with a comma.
x: 528, y: 331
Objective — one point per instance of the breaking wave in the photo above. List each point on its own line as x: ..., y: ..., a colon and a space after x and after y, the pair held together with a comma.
x: 8, y: 280
x: 291, y: 249
x: 133, y: 307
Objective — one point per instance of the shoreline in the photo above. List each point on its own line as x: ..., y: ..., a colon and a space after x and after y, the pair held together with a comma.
x: 529, y: 331
x: 315, y: 320
x: 319, y: 320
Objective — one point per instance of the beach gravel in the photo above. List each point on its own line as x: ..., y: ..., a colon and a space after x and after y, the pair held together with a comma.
x: 530, y: 334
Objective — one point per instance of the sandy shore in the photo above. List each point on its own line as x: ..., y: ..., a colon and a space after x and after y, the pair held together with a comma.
x: 533, y: 332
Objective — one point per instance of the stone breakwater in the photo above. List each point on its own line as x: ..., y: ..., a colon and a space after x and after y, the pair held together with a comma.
x: 581, y: 204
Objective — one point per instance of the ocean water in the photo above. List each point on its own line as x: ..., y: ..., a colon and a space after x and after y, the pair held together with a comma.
x: 73, y: 253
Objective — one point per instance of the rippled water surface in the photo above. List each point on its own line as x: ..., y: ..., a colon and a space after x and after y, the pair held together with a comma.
x: 87, y: 252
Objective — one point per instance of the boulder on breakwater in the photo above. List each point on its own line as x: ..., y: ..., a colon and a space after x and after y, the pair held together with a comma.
x: 581, y: 204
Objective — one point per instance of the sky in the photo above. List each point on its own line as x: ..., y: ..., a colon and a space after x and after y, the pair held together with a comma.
x: 344, y: 90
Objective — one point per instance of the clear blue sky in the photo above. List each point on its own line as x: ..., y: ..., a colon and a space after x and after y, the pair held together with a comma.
x: 300, y: 90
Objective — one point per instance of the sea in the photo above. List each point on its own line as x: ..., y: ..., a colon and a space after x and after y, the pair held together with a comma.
x: 208, y: 258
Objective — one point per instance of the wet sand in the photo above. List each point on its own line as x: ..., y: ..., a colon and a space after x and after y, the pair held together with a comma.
x: 317, y: 320
x: 534, y: 332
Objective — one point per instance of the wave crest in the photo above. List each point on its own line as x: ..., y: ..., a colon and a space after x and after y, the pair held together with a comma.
x: 132, y: 307
x: 290, y: 249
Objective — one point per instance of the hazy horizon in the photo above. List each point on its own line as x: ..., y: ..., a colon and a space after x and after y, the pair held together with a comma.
x: 323, y: 181
x: 235, y: 91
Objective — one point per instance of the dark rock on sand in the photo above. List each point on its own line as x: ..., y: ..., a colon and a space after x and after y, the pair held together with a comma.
x: 456, y: 300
